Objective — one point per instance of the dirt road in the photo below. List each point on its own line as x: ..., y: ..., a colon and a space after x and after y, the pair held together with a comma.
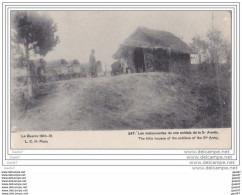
x: 132, y: 101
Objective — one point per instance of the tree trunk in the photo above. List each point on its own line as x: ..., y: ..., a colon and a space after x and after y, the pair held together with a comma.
x: 30, y: 82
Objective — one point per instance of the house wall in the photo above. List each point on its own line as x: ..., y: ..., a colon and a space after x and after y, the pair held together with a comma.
x: 160, y: 60
x: 157, y: 60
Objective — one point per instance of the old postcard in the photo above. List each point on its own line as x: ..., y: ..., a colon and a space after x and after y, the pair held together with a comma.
x: 121, y: 79
x: 120, y: 98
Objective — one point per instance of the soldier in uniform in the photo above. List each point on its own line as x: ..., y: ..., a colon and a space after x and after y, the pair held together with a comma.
x: 124, y: 66
x: 92, y: 63
x: 41, y: 70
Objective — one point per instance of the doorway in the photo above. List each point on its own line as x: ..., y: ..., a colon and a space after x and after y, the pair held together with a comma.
x: 139, y: 60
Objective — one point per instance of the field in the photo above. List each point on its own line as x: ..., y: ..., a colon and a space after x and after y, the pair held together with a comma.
x: 132, y: 101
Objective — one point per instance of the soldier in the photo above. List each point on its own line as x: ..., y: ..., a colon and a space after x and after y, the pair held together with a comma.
x: 92, y: 63
x: 124, y: 66
x: 41, y: 70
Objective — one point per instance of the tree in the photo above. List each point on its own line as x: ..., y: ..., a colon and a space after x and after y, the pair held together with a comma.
x: 17, y: 52
x: 219, y: 50
x: 35, y: 33
x: 201, y: 48
x: 215, y: 49
x: 227, y: 52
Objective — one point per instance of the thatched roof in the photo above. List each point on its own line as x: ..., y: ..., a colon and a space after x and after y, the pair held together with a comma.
x: 154, y: 39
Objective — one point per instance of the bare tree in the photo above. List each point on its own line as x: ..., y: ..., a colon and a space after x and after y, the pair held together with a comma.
x: 201, y: 48
x: 216, y: 46
x: 212, y: 50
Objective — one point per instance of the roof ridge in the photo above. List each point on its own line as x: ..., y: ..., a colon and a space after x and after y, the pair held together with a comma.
x: 154, y: 30
x: 150, y: 36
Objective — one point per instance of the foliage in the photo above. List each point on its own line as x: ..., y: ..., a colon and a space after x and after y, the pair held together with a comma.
x: 214, y: 49
x: 212, y: 80
x: 36, y: 32
x: 214, y: 107
x: 201, y: 48
x: 216, y: 46
x: 17, y: 52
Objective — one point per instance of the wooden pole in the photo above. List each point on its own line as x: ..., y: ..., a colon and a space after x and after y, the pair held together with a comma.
x: 144, y: 62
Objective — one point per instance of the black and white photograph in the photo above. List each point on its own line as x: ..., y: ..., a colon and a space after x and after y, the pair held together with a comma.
x: 121, y: 97
x: 120, y: 70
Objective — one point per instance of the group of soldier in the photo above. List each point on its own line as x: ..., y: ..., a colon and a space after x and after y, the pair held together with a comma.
x: 118, y: 67
x: 38, y: 69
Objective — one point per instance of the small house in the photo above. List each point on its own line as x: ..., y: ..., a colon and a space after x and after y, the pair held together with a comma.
x: 148, y: 50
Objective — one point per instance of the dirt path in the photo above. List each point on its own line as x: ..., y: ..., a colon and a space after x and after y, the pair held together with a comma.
x: 133, y: 101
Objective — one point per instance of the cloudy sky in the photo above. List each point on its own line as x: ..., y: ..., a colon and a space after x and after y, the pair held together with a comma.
x: 104, y: 31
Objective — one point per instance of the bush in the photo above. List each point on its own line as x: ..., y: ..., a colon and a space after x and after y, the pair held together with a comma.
x: 19, y: 100
x: 213, y: 88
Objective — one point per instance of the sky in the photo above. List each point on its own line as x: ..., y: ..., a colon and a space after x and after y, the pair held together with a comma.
x: 104, y: 31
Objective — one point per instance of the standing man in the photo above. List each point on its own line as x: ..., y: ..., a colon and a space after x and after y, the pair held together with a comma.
x: 92, y: 63
x: 41, y: 70
x: 124, y: 66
